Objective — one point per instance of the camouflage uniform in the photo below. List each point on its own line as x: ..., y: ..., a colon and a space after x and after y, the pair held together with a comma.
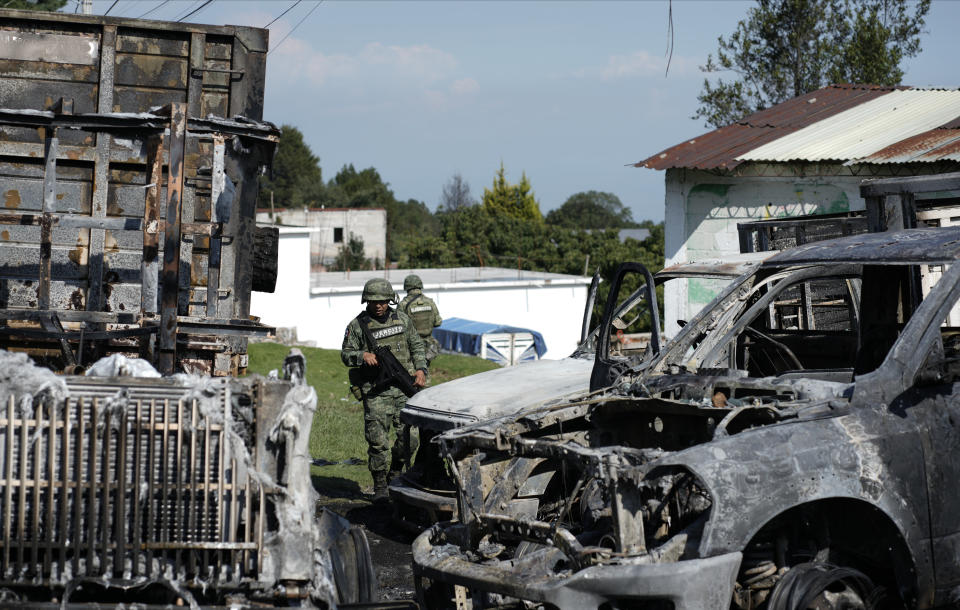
x: 381, y: 406
x: 423, y: 311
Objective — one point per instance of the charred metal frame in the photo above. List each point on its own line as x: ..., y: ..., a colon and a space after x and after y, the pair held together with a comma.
x: 197, y: 488
x: 172, y: 326
x: 762, y: 235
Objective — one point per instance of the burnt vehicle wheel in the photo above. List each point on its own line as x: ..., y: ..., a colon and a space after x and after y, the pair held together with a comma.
x: 822, y: 586
x: 353, y: 568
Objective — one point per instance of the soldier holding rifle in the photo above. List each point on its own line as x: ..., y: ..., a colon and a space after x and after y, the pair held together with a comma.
x: 386, y: 359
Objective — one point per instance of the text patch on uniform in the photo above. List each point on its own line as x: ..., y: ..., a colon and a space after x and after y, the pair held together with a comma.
x: 389, y: 331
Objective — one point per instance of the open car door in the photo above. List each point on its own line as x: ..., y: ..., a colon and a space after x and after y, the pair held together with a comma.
x: 588, y: 310
x: 630, y: 327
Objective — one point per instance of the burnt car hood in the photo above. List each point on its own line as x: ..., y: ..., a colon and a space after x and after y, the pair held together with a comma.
x: 503, y: 391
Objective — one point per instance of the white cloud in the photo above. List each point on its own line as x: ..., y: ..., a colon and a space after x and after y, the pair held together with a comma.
x: 374, y: 73
x: 638, y: 64
x: 422, y: 64
x: 464, y: 86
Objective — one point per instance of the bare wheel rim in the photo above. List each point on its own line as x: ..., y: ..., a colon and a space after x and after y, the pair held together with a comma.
x: 821, y: 586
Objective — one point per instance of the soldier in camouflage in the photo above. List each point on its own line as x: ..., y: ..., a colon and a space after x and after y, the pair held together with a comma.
x: 423, y: 311
x: 382, y: 404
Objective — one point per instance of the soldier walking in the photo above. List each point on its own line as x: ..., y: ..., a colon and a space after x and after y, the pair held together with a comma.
x: 423, y: 311
x: 377, y: 326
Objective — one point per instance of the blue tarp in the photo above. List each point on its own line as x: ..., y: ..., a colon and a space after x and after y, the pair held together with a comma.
x: 460, y: 335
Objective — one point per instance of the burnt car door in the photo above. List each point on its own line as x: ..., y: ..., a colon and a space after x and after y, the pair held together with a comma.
x: 630, y: 332
x: 919, y: 380
x: 588, y: 308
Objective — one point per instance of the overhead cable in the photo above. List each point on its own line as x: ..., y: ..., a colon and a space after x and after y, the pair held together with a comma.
x: 295, y: 27
x: 283, y: 13
x: 194, y: 12
x: 189, y: 8
x: 111, y: 7
x: 161, y: 5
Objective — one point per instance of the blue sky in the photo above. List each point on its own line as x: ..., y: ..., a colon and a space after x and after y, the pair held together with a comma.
x: 569, y: 92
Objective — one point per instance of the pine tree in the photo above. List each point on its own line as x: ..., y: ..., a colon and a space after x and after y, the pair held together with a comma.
x: 511, y: 200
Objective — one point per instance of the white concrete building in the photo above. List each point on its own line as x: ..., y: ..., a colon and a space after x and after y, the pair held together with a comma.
x: 807, y: 155
x: 334, y: 227
x: 320, y: 305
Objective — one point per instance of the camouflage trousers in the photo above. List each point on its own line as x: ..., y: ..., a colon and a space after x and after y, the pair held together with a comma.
x: 431, y: 348
x: 380, y: 412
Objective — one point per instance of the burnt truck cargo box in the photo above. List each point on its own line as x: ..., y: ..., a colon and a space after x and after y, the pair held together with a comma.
x: 117, y: 138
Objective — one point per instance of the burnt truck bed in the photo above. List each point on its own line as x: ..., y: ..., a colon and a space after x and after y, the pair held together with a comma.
x: 129, y: 157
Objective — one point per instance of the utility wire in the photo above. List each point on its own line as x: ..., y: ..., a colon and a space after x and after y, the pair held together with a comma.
x: 111, y: 7
x: 283, y: 13
x: 669, y: 52
x: 202, y: 6
x: 295, y: 27
x: 183, y: 13
x: 161, y: 5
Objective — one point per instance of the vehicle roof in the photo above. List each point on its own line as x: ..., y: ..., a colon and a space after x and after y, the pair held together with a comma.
x: 730, y: 266
x: 927, y: 245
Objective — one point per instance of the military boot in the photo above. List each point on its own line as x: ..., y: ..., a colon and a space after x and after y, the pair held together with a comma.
x: 396, y: 468
x: 380, y: 495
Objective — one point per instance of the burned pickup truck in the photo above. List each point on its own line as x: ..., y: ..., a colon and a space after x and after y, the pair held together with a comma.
x: 425, y: 494
x: 795, y: 446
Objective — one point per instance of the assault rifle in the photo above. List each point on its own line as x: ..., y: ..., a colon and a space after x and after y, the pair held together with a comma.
x: 392, y: 370
x: 389, y: 368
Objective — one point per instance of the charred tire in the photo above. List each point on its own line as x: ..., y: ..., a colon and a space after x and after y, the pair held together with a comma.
x: 353, y: 568
x: 822, y: 586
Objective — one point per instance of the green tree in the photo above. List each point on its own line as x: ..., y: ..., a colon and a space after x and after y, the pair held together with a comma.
x: 359, y: 189
x: 785, y: 48
x: 34, y: 5
x: 592, y: 210
x: 472, y: 236
x: 512, y: 200
x: 350, y: 257
x: 295, y: 180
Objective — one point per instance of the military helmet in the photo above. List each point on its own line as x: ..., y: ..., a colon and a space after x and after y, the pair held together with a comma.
x: 378, y: 289
x: 412, y: 281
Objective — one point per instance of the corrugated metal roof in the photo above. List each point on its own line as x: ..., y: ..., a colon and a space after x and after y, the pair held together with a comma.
x: 860, y: 131
x: 721, y: 147
x: 942, y: 144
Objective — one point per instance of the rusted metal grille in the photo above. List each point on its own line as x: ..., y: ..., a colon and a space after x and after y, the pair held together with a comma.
x: 124, y: 486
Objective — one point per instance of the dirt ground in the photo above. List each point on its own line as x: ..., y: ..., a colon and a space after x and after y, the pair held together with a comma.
x: 389, y: 544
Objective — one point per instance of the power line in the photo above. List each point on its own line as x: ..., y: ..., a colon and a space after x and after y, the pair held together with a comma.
x: 182, y: 14
x: 161, y: 5
x: 111, y: 7
x: 283, y: 13
x: 295, y: 27
x: 202, y: 6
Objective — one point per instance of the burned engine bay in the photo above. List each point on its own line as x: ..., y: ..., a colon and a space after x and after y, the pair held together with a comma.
x: 591, y: 483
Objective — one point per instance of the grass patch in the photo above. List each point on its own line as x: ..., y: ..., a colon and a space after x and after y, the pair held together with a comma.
x: 337, y: 432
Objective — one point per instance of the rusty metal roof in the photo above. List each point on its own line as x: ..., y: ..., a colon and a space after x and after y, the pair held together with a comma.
x: 720, y: 149
x: 856, y: 133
